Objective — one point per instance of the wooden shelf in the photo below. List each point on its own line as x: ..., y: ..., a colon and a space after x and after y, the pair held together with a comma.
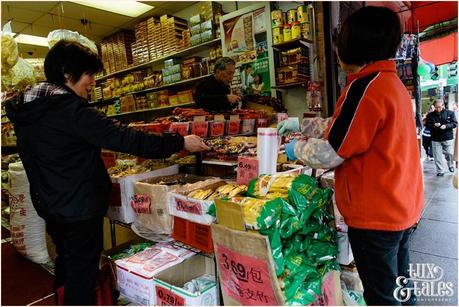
x: 184, y: 52
x: 290, y: 85
x: 154, y: 109
x: 292, y: 44
x: 100, y: 102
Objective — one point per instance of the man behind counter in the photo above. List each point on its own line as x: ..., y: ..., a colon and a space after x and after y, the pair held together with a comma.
x: 214, y: 93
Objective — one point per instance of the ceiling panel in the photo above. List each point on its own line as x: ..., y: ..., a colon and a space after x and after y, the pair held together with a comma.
x: 39, y: 6
x: 21, y: 15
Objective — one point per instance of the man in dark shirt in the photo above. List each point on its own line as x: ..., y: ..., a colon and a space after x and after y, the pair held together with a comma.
x: 441, y: 123
x: 214, y: 93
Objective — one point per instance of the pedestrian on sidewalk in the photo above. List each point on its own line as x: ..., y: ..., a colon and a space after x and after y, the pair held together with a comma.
x: 372, y: 144
x: 441, y: 123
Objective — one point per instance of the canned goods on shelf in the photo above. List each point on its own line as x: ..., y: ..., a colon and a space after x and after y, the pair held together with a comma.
x: 296, y: 30
x: 302, y: 13
x: 276, y: 18
x: 278, y: 36
x: 291, y: 16
x: 287, y: 33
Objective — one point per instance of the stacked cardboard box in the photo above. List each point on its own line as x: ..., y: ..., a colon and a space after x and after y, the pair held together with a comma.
x: 209, y: 9
x: 140, y: 51
x: 116, y: 51
x: 172, y: 28
x: 154, y: 34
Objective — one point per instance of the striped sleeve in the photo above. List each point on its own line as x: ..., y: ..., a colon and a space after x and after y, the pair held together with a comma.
x: 356, y: 122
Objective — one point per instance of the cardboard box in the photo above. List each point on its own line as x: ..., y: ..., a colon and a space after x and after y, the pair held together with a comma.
x: 168, y: 283
x: 123, y: 191
x: 191, y: 209
x: 135, y: 274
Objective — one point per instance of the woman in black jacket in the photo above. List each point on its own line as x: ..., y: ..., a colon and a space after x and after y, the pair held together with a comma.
x: 59, y: 139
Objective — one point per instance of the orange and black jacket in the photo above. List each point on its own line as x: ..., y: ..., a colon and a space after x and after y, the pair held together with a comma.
x: 379, y: 185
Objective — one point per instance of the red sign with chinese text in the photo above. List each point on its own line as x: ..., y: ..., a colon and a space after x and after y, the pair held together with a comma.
x: 165, y: 297
x: 200, y: 129
x: 181, y: 128
x: 188, y: 206
x: 141, y: 204
x: 233, y: 127
x: 245, y: 278
x: 247, y: 169
x: 217, y: 129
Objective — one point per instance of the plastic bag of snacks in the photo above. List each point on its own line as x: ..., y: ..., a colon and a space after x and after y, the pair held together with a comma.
x: 9, y: 49
x: 62, y: 34
x: 270, y: 187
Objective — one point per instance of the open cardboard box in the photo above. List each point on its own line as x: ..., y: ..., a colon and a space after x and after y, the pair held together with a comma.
x: 168, y: 283
x: 191, y: 209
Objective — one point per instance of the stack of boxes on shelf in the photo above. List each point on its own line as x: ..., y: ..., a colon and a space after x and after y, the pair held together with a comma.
x: 116, y: 51
x: 154, y: 38
x: 294, y: 66
x: 171, y: 29
x: 140, y: 51
x: 205, y: 24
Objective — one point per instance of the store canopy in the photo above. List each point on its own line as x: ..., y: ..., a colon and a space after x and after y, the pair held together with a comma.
x: 429, y: 13
x: 441, y: 50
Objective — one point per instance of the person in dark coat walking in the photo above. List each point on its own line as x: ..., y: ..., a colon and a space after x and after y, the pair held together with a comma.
x: 441, y: 123
x: 59, y: 139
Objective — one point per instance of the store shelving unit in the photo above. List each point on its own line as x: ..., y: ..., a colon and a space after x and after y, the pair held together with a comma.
x: 154, y: 109
x: 184, y: 52
x: 291, y: 85
x: 292, y: 44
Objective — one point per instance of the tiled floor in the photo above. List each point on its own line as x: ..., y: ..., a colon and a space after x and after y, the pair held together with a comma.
x: 435, y: 241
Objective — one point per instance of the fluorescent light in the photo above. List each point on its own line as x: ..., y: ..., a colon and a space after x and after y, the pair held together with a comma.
x: 129, y: 8
x: 32, y: 40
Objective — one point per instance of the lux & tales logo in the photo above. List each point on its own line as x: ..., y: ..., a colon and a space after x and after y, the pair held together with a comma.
x: 425, y: 282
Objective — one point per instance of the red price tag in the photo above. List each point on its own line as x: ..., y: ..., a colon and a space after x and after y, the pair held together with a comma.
x: 165, y: 297
x: 233, y: 127
x: 181, y: 128
x: 188, y: 206
x: 247, y: 169
x: 200, y: 129
x: 244, y: 278
x: 281, y: 117
x: 217, y: 129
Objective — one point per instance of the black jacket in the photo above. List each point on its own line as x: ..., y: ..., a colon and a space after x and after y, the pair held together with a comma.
x: 59, y: 139
x: 211, y: 95
x: 445, y: 117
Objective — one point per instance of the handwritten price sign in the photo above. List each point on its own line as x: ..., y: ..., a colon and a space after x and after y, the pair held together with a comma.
x: 181, y: 128
x: 247, y: 169
x: 233, y: 127
x: 141, y: 203
x: 200, y: 129
x: 217, y: 129
x: 245, y: 278
x: 164, y: 297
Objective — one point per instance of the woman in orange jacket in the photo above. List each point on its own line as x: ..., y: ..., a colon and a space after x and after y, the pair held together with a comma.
x: 371, y: 141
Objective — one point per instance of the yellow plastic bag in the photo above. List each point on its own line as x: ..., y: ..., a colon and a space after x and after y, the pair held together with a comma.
x: 9, y: 49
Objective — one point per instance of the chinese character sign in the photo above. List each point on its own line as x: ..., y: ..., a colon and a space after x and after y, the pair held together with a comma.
x: 245, y: 278
x: 247, y: 169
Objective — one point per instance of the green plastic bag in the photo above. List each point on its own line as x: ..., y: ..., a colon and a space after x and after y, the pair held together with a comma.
x: 302, y: 297
x: 212, y: 210
x: 276, y: 247
x: 321, y: 252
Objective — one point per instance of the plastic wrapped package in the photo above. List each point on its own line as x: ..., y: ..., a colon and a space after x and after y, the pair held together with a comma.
x: 62, y: 34
x: 9, y: 49
x: 19, y: 77
x: 199, y: 284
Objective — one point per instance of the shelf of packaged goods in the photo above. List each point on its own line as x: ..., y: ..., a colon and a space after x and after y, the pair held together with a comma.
x: 291, y: 85
x: 156, y: 88
x: 292, y: 44
x: 190, y: 104
x: 184, y: 52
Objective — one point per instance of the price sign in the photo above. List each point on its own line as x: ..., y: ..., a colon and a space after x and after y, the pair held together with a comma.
x: 217, y: 128
x: 244, y: 278
x: 188, y: 206
x: 247, y: 169
x: 281, y: 117
x: 165, y: 297
x: 200, y: 129
x: 180, y: 128
x: 141, y: 204
x: 233, y: 127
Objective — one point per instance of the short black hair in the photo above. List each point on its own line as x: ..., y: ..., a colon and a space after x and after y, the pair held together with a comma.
x: 72, y: 58
x: 222, y: 62
x: 369, y: 34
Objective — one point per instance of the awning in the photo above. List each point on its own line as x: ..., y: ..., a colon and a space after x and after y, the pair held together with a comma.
x: 428, y: 13
x: 441, y: 50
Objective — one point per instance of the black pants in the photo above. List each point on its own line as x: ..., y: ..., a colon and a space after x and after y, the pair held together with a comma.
x: 78, y: 247
x: 427, y: 144
x: 381, y: 257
